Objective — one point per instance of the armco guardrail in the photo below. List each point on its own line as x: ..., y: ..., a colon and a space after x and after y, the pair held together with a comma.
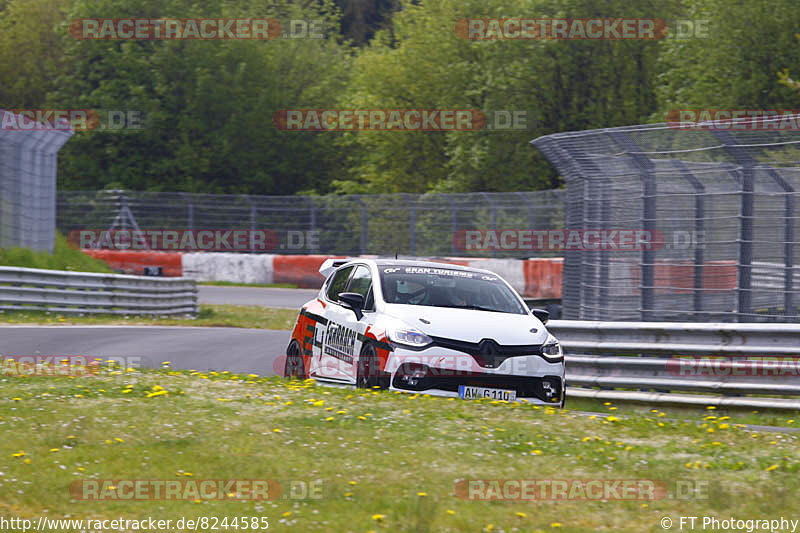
x: 82, y: 292
x: 658, y: 362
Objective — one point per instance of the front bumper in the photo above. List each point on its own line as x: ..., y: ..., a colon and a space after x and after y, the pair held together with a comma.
x: 534, y: 379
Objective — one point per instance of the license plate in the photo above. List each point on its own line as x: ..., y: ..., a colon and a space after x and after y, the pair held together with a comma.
x: 473, y: 393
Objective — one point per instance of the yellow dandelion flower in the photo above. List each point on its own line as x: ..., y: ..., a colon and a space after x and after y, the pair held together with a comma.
x: 18, y: 454
x: 329, y: 419
x: 118, y: 439
x: 771, y: 468
x: 555, y: 524
x: 537, y: 452
x: 711, y: 407
x: 521, y: 515
x: 287, y: 514
x: 277, y: 430
x: 378, y: 517
x: 27, y: 461
x: 348, y: 494
x: 54, y: 449
x: 724, y: 426
x: 450, y: 512
x: 341, y: 412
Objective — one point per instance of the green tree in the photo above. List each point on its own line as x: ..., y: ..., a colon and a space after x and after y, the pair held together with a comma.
x: 737, y: 65
x: 208, y: 105
x: 559, y: 85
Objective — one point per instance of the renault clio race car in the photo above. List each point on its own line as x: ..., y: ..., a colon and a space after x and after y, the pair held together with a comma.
x: 425, y: 327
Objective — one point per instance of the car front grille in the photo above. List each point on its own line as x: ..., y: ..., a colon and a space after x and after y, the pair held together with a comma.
x: 488, y: 360
x: 524, y: 386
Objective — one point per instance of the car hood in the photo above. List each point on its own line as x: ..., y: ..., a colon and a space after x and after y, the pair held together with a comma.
x: 471, y: 325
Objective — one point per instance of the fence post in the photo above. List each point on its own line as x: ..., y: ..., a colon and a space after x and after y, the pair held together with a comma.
x: 699, y: 226
x: 363, y: 223
x: 412, y: 225
x: 312, y: 215
x: 493, y: 211
x: 453, y: 224
x: 649, y: 191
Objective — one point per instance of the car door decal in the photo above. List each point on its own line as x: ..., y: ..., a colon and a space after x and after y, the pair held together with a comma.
x: 340, y: 342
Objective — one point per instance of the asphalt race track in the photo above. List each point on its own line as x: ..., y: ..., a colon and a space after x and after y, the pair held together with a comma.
x: 258, y: 351
x: 267, y: 297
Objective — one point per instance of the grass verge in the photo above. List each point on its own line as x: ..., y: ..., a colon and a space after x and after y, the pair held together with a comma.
x: 233, y: 316
x: 381, y: 461
x: 64, y: 257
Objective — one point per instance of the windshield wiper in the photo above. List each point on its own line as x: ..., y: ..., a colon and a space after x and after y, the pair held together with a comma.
x: 472, y: 307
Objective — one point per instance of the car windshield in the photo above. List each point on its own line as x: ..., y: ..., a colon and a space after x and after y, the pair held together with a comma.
x: 444, y: 287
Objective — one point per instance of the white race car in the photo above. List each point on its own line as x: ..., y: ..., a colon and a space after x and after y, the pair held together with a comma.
x: 425, y: 327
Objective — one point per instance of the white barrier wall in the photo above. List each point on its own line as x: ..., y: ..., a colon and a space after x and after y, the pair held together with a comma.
x: 233, y: 267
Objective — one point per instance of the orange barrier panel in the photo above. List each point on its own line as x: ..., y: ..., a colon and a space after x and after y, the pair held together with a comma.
x: 302, y: 270
x: 543, y: 278
x: 133, y: 262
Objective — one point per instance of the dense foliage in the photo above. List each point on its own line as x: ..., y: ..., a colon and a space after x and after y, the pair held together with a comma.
x: 208, y: 106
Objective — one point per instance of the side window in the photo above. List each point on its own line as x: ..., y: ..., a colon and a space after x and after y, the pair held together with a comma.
x: 338, y: 283
x: 361, y: 281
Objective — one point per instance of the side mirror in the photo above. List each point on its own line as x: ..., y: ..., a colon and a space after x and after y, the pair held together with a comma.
x: 354, y: 301
x: 541, y: 314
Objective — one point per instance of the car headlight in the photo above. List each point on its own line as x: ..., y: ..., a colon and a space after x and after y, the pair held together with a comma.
x: 551, y: 350
x: 409, y: 337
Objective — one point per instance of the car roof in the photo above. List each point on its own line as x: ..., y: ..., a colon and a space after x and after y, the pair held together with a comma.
x: 428, y: 264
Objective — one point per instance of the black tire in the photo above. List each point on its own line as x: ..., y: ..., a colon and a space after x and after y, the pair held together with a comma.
x: 295, y: 366
x: 368, y: 371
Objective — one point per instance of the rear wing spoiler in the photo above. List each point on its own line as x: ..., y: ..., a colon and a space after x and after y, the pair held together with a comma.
x: 329, y: 265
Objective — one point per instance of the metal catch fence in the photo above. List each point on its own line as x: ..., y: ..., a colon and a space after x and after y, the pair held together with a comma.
x: 717, y: 203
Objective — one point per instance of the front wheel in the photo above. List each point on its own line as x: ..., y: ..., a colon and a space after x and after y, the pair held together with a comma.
x: 295, y: 366
x: 368, y: 371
